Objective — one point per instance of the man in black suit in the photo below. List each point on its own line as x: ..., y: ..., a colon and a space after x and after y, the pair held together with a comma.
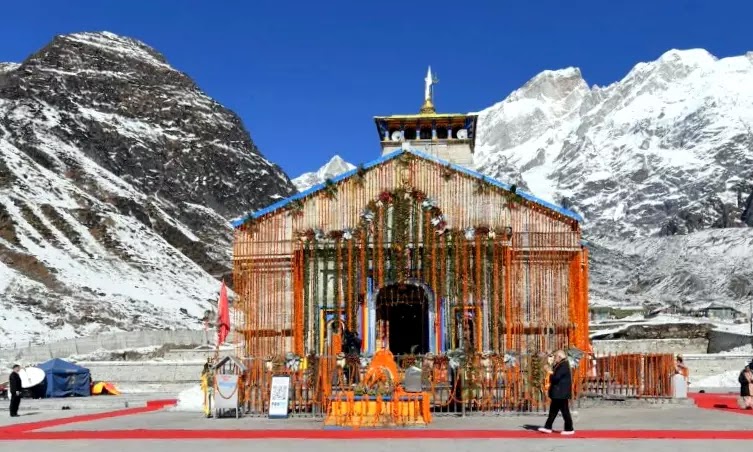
x: 560, y: 393
x: 15, y: 390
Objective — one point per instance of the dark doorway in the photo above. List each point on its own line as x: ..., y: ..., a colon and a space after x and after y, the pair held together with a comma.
x: 403, y: 316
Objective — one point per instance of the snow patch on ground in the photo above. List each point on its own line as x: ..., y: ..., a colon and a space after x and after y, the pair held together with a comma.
x: 191, y: 399
x: 727, y: 379
x: 104, y: 355
x: 744, y: 350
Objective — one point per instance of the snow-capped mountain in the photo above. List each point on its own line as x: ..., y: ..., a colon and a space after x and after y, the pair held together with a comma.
x: 118, y: 176
x: 334, y: 167
x: 668, y: 149
x: 664, y: 152
x: 660, y: 164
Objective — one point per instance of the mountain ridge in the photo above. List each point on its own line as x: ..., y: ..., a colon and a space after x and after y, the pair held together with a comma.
x: 118, y: 177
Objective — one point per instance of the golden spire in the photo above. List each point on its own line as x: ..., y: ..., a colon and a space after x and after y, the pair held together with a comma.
x: 428, y: 107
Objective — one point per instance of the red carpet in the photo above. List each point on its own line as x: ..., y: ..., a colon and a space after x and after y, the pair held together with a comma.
x: 373, y: 434
x: 161, y: 403
x: 723, y: 402
x: 30, y: 426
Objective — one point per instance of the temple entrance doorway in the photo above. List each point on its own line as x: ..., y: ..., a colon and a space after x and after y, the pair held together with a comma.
x: 402, y: 317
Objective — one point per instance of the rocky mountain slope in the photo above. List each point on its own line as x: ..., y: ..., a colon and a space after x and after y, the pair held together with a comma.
x: 118, y: 176
x: 660, y: 164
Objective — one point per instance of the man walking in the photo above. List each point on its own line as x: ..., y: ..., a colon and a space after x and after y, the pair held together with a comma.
x: 15, y: 390
x: 560, y: 393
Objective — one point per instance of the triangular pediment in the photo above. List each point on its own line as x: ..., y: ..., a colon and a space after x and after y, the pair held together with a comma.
x: 448, y: 166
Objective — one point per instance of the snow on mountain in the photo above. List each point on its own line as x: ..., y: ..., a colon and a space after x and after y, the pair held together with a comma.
x: 334, y: 167
x: 117, y: 179
x: 666, y: 151
x: 7, y: 67
x: 666, y: 148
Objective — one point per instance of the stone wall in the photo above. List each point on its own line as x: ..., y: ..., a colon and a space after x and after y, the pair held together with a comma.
x: 115, y: 341
x: 455, y: 151
x: 722, y: 341
x: 673, y: 346
x: 119, y: 372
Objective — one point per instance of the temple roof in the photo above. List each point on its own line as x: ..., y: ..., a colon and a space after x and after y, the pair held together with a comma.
x: 427, y: 116
x: 393, y: 155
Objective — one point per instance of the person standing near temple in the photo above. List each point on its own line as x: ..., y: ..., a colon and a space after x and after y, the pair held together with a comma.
x: 560, y: 392
x: 15, y: 390
x: 681, y: 368
x: 746, y: 384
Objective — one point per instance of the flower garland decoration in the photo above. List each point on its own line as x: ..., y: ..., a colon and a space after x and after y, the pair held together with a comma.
x: 295, y: 208
x: 386, y: 198
x: 360, y: 175
x: 482, y: 230
x: 335, y: 235
x: 536, y: 371
x: 311, y: 235
x: 405, y: 204
x: 405, y: 160
x: 482, y: 186
x: 367, y: 215
x: 251, y: 225
x: 512, y: 195
x: 317, y: 235
x: 447, y: 173
x: 330, y: 189
x: 292, y: 362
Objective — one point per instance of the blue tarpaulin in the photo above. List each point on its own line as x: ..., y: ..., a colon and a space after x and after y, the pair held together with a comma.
x: 64, y: 379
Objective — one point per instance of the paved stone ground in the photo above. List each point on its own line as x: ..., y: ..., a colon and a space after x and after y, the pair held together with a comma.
x: 89, y: 403
x: 670, y: 417
x: 38, y: 416
x: 661, y: 417
x: 544, y: 445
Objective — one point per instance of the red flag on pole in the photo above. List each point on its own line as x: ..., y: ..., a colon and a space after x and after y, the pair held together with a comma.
x: 223, y: 316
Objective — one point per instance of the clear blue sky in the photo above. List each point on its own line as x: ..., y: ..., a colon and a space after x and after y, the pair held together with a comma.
x: 308, y: 76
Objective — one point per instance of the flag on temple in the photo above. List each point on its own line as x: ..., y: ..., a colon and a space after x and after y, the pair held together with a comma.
x: 223, y: 316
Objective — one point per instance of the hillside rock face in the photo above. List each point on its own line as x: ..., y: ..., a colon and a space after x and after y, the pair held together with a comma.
x: 118, y: 176
x: 660, y: 164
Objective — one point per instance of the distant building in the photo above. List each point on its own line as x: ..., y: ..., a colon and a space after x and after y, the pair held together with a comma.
x: 602, y: 313
x: 720, y: 312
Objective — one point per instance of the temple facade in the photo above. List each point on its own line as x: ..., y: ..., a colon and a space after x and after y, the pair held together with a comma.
x: 414, y: 253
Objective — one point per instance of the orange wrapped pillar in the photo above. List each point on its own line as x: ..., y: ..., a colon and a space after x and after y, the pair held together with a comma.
x: 584, y: 328
x: 298, y: 281
x: 574, y: 298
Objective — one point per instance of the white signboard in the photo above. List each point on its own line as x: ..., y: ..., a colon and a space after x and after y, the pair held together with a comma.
x: 278, y: 397
x: 226, y: 394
